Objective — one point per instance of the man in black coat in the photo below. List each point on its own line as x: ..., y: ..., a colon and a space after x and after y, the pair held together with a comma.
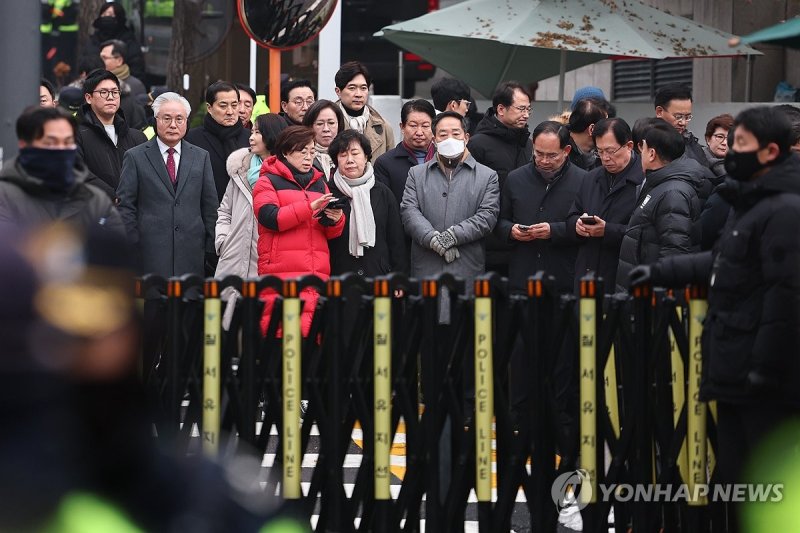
x: 104, y: 136
x: 534, y: 204
x: 501, y: 143
x: 605, y: 201
x: 391, y: 168
x: 222, y: 132
x: 751, y: 332
x: 664, y: 221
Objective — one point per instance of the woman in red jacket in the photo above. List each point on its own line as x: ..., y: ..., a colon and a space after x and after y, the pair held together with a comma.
x: 292, y: 241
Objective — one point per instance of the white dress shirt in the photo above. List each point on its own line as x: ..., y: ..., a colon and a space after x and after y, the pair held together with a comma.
x: 176, y: 156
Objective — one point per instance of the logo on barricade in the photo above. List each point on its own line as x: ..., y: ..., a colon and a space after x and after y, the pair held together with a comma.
x: 571, y: 488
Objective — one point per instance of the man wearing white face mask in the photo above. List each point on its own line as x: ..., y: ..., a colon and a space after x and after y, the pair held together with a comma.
x: 449, y: 205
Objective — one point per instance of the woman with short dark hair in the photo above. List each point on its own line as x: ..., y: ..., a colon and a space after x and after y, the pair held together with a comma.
x: 372, y: 242
x: 294, y: 225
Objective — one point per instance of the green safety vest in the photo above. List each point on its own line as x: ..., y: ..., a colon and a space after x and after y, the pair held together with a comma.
x: 159, y: 8
x: 82, y: 512
x: 60, y: 5
x: 260, y: 107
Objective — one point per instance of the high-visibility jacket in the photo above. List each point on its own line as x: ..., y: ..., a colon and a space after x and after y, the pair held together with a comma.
x: 59, y: 16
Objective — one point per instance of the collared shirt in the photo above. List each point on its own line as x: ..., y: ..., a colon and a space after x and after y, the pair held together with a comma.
x: 176, y: 156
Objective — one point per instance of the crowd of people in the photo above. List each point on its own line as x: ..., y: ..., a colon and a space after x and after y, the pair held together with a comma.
x: 322, y: 188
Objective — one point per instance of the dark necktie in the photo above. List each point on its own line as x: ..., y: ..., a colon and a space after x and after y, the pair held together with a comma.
x: 173, y: 177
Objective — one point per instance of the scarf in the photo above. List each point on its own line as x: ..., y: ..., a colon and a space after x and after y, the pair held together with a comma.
x: 358, y: 122
x: 362, y: 219
x: 254, y: 170
x: 420, y: 155
x: 325, y: 160
x: 123, y: 72
x: 227, y: 135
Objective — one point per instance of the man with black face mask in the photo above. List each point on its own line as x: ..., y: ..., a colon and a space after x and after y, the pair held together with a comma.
x: 751, y: 336
x: 46, y: 182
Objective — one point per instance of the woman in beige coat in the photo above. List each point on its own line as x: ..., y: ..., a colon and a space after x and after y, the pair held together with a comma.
x: 237, y: 228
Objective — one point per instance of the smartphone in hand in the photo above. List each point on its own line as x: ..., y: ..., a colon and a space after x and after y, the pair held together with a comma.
x: 588, y: 221
x: 522, y: 227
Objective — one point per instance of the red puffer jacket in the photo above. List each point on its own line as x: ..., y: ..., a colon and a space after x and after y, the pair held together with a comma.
x: 291, y: 242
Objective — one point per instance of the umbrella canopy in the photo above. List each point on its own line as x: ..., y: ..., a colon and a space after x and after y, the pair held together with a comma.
x: 484, y: 42
x: 786, y: 33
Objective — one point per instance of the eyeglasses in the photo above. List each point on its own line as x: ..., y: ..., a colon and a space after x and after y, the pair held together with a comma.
x: 720, y: 137
x: 606, y: 151
x: 168, y: 119
x: 680, y: 117
x: 105, y: 93
x: 299, y: 102
x: 522, y: 108
x: 546, y: 157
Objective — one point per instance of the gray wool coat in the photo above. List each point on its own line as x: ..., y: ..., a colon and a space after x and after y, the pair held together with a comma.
x: 469, y: 202
x: 172, y: 229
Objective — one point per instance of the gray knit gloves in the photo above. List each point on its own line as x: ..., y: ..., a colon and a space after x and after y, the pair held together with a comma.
x: 444, y: 244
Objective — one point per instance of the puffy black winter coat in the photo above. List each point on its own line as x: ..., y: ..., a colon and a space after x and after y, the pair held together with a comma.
x: 611, y: 198
x: 103, y: 159
x: 527, y: 199
x: 664, y: 220
x: 499, y: 147
x: 753, y: 318
x: 389, y: 254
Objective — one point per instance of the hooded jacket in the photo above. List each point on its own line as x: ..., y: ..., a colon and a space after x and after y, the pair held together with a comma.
x: 236, y: 235
x: 27, y: 201
x: 753, y: 318
x: 97, y: 150
x: 612, y: 198
x: 664, y: 220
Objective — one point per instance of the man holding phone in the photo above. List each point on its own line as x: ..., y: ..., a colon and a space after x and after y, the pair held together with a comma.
x: 605, y: 202
x: 534, y: 205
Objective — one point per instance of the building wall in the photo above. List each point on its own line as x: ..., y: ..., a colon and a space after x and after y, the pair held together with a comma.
x: 714, y: 80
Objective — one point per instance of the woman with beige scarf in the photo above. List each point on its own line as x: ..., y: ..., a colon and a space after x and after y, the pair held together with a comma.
x: 372, y: 243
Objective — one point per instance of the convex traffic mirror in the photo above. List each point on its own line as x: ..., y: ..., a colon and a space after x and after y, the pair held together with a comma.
x: 284, y: 24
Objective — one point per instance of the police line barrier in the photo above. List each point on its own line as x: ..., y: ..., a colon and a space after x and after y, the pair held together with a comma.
x: 234, y: 360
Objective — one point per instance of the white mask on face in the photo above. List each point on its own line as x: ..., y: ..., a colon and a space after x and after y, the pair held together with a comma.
x: 450, y: 147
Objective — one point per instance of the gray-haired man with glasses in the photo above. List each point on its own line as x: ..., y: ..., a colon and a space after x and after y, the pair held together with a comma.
x: 167, y: 196
x: 104, y: 135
